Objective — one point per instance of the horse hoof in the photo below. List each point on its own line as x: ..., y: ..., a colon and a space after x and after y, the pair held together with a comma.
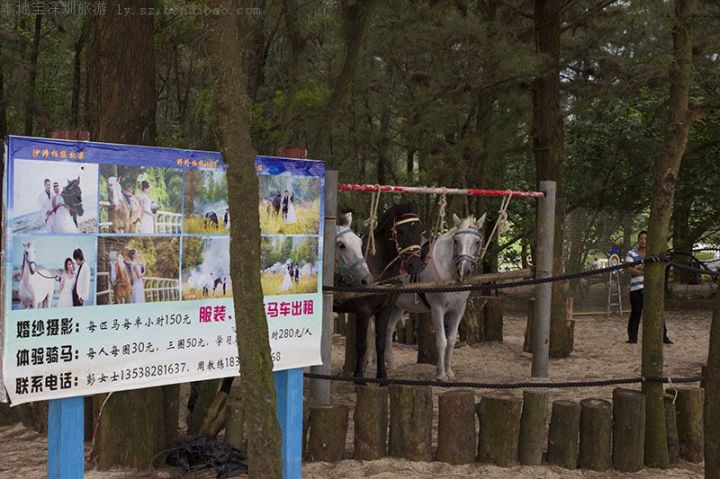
x: 451, y: 375
x: 442, y: 378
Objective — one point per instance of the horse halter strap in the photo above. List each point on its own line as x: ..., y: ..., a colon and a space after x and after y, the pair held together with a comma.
x: 470, y: 257
x: 410, y: 218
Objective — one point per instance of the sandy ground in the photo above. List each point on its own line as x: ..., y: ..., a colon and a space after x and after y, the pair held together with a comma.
x: 600, y: 353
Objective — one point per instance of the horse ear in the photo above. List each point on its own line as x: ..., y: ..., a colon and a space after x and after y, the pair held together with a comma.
x: 348, y: 218
x: 456, y: 220
x: 481, y: 222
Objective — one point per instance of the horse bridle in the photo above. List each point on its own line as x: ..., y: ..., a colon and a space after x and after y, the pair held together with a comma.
x: 346, y: 271
x: 473, y: 258
x: 72, y: 207
x: 403, y: 254
x: 33, y: 266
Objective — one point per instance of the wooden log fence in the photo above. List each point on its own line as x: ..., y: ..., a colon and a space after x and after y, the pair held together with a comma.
x: 592, y: 434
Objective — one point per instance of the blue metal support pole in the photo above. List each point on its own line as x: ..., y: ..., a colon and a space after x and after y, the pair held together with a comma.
x: 289, y: 394
x: 66, y: 456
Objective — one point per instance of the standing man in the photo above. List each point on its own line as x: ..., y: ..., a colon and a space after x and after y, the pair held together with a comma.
x: 285, y: 200
x: 637, y: 286
x: 45, y: 200
x: 81, y: 290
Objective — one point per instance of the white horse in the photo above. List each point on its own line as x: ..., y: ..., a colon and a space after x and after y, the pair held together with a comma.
x: 350, y: 266
x: 124, y: 212
x: 37, y: 285
x: 451, y: 255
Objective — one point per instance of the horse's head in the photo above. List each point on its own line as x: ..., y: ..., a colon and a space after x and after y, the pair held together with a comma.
x: 349, y: 260
x: 467, y: 244
x: 113, y: 188
x: 405, y: 233
x: 29, y: 256
x: 73, y: 196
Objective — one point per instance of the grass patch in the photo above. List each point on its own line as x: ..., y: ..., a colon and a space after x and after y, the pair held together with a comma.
x: 271, y: 283
x: 308, y: 220
x: 196, y: 224
x: 189, y: 293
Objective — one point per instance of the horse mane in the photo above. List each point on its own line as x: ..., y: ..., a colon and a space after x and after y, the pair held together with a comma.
x: 388, y: 216
x: 342, y: 220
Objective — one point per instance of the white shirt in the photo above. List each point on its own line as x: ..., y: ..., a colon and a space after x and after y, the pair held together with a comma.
x: 45, y: 202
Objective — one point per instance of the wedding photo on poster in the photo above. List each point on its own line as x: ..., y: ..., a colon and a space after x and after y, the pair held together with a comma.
x: 289, y: 204
x: 206, y: 268
x: 53, y: 271
x: 140, y: 200
x: 289, y: 264
x: 206, y: 202
x: 138, y: 269
x: 54, y: 197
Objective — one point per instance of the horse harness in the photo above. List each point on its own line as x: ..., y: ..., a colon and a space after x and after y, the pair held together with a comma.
x: 407, y: 252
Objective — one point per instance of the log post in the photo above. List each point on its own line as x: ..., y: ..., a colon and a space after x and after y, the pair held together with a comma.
x: 350, y: 351
x: 595, y: 434
x: 472, y: 326
x: 690, y: 423
x: 411, y: 415
x: 328, y: 427
x: 671, y: 427
x: 235, y: 426
x: 371, y: 422
x: 427, y: 350
x: 499, y: 430
x: 527, y: 344
x: 493, y: 318
x: 216, y: 415
x: 533, y: 427
x: 628, y: 430
x: 410, y: 322
x: 456, y: 427
x: 564, y: 432
x: 569, y: 327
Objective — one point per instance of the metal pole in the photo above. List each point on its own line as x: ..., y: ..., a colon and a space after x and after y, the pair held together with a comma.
x: 543, y: 269
x: 320, y: 389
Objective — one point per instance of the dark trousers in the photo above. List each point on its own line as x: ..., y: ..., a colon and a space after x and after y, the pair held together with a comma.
x: 636, y: 307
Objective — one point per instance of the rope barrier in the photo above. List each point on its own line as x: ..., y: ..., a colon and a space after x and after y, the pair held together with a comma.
x: 512, y: 284
x: 512, y: 385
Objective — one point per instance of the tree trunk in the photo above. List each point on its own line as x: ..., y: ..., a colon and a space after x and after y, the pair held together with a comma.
x: 548, y: 145
x: 493, y: 316
x: 328, y: 426
x: 667, y: 165
x: 499, y: 430
x: 533, y: 427
x: 225, y: 48
x: 712, y: 398
x: 690, y: 423
x: 411, y: 415
x: 297, y: 48
x: 350, y: 347
x: 201, y: 396
x: 235, y: 425
x: 563, y: 435
x: 595, y: 434
x: 371, y: 422
x: 427, y: 349
x: 3, y: 119
x: 34, y: 53
x: 356, y: 19
x: 628, y: 430
x: 682, y: 241
x: 121, y: 90
x: 456, y: 427
x: 77, y: 70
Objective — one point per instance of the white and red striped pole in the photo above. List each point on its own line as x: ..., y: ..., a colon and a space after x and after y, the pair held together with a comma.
x: 431, y: 190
